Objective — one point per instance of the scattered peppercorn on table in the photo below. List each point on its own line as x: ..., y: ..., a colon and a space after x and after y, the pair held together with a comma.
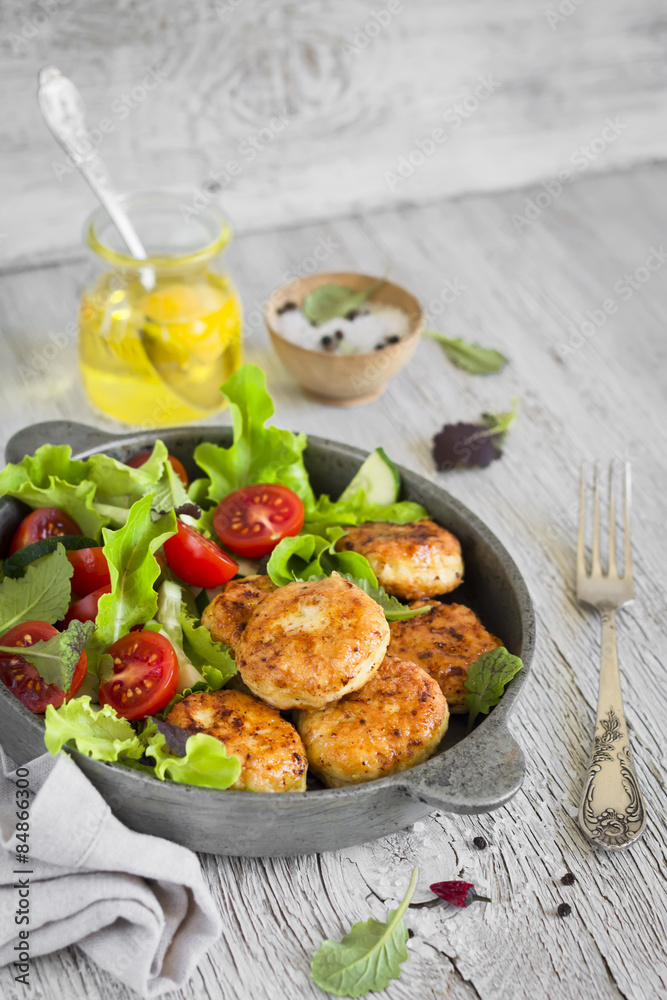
x: 568, y: 302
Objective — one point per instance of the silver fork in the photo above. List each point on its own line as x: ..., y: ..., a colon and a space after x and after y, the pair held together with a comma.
x: 611, y: 812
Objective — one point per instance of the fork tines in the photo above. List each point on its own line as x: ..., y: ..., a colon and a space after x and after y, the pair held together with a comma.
x: 596, y: 568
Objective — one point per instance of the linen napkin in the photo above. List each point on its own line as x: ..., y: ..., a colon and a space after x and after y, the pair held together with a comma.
x: 137, y: 905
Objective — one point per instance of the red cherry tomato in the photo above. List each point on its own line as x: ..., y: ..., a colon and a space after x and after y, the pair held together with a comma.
x: 85, y: 610
x: 43, y: 523
x: 23, y: 679
x: 91, y: 570
x: 251, y: 521
x: 177, y: 466
x: 198, y: 560
x: 145, y: 675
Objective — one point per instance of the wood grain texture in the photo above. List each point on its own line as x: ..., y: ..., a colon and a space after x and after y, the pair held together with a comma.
x: 286, y: 112
x: 528, y: 294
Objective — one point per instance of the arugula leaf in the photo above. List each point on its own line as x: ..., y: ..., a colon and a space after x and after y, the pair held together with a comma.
x: 98, y: 732
x: 486, y: 680
x: 333, y: 300
x: 304, y: 557
x: 368, y: 957
x: 42, y: 594
x: 205, y: 762
x: 394, y: 611
x: 470, y: 357
x: 467, y: 445
x: 55, y: 659
x: 258, y: 454
x: 134, y: 570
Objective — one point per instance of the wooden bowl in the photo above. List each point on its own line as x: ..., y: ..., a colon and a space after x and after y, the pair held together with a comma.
x: 345, y: 379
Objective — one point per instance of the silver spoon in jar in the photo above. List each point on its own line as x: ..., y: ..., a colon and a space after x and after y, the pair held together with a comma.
x: 62, y: 106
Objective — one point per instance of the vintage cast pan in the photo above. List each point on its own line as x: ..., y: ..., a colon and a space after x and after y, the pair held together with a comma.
x: 474, y: 774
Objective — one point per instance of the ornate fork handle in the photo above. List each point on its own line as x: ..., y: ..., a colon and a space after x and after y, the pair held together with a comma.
x: 611, y: 813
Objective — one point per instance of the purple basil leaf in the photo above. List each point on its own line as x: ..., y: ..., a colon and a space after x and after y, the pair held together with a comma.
x: 191, y: 509
x: 466, y: 446
x: 175, y: 736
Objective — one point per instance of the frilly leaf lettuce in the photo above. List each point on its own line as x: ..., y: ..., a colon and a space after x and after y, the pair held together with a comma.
x: 134, y: 570
x: 258, y: 454
x: 205, y: 762
x: 212, y: 658
x: 304, y: 557
x: 368, y: 957
x: 41, y: 594
x: 327, y: 513
x: 98, y: 732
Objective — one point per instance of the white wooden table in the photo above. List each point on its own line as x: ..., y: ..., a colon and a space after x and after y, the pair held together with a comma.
x: 527, y: 293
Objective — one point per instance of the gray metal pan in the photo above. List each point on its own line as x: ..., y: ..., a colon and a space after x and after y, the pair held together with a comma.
x: 469, y: 774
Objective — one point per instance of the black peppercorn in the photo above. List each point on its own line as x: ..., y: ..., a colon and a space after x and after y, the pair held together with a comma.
x: 564, y: 910
x: 328, y: 343
x: 352, y: 314
x: 479, y: 843
x: 380, y: 347
x: 286, y: 307
x: 568, y: 879
x: 339, y: 334
x: 393, y: 339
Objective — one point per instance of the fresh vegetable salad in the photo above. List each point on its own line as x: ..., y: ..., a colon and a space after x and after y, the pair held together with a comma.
x: 103, y: 589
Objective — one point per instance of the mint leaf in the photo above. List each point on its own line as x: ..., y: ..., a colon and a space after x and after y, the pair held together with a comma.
x: 394, y: 611
x: 486, y: 680
x: 42, y: 594
x: 205, y: 762
x: 134, y: 570
x: 333, y: 300
x: 98, y: 732
x: 470, y: 357
x: 55, y: 659
x: 368, y: 957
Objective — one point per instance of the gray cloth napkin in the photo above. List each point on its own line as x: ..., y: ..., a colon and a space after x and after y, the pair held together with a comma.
x: 137, y: 905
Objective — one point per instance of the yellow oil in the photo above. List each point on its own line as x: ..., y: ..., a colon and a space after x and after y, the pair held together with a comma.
x: 159, y: 356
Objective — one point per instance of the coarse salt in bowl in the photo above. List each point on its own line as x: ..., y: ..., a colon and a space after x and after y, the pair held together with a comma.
x: 347, y: 360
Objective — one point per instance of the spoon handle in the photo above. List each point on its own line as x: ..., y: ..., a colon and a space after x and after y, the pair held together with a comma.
x: 62, y: 106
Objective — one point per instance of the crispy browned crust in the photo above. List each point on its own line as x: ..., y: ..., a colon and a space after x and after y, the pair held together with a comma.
x: 312, y: 642
x: 444, y: 641
x: 228, y: 614
x: 273, y: 758
x: 419, y: 559
x: 392, y: 723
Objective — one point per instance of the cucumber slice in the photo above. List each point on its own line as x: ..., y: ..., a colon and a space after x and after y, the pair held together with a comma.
x: 379, y: 479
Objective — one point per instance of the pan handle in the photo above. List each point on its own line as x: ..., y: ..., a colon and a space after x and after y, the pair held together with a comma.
x: 80, y: 436
x: 479, y: 774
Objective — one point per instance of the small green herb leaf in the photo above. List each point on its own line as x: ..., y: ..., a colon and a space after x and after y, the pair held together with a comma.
x: 470, y: 357
x: 368, y: 957
x: 333, y: 301
x: 55, y: 659
x: 42, y: 594
x: 394, y: 611
x: 486, y: 680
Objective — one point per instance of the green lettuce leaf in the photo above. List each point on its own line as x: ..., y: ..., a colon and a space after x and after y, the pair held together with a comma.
x: 307, y: 557
x: 258, y: 454
x: 98, y: 732
x: 394, y: 611
x: 369, y: 956
x: 134, y: 571
x: 212, y: 658
x: 55, y: 659
x: 327, y: 513
x: 205, y: 762
x: 486, y: 680
x: 41, y: 594
x: 169, y: 609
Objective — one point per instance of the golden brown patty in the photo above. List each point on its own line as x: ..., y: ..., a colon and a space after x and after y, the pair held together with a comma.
x: 311, y: 643
x: 228, y: 614
x: 394, y: 722
x: 444, y: 641
x: 420, y: 559
x: 272, y: 755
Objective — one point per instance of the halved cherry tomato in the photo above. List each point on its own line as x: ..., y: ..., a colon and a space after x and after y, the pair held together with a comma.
x: 43, y: 523
x: 198, y: 560
x: 251, y: 521
x: 23, y: 679
x: 91, y: 570
x: 177, y: 466
x: 85, y: 610
x: 145, y: 675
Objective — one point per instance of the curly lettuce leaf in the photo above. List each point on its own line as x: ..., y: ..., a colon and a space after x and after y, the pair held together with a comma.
x: 368, y: 957
x: 41, y: 594
x: 486, y: 680
x: 134, y: 571
x: 98, y: 732
x: 214, y: 659
x: 55, y: 659
x: 205, y: 762
x: 327, y: 513
x: 308, y: 556
x: 258, y: 454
